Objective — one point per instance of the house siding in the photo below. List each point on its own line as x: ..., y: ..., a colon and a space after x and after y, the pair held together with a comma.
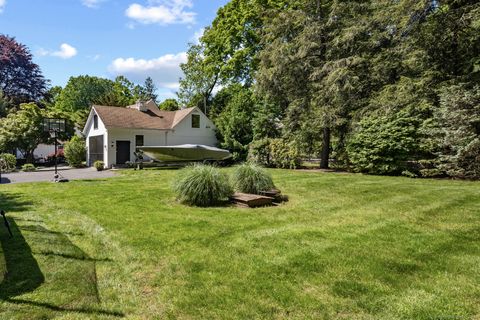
x: 183, y: 132
x: 92, y: 132
x: 151, y: 138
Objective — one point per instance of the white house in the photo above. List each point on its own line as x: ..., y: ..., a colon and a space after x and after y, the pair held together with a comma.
x: 42, y: 151
x: 113, y: 133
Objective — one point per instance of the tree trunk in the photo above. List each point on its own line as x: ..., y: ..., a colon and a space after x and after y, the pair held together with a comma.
x: 325, y: 148
x: 340, y: 152
x: 205, y: 98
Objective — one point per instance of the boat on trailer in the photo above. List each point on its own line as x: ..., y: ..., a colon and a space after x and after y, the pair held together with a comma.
x: 185, y: 152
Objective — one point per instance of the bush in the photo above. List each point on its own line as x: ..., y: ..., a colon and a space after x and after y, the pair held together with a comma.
x: 284, y: 154
x: 387, y: 144
x: 277, y: 153
x: 99, y: 165
x: 7, y: 162
x: 28, y: 167
x: 75, y: 151
x: 202, y: 185
x: 250, y: 178
x: 259, y: 152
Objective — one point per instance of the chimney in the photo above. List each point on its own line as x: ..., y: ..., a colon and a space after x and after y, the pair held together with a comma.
x: 140, y: 106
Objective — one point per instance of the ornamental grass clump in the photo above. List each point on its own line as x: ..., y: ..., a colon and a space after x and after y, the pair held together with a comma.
x: 202, y: 185
x: 250, y: 178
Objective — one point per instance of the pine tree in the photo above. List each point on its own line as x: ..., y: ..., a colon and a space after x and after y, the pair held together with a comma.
x: 149, y: 90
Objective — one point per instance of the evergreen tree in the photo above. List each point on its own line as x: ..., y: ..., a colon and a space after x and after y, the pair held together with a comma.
x: 458, y: 121
x: 149, y: 90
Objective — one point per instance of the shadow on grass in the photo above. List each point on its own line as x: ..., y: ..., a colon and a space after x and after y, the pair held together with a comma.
x: 4, y: 180
x: 11, y: 202
x: 23, y: 273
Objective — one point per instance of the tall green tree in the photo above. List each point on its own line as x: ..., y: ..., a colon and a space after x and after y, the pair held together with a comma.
x: 458, y: 121
x: 169, y: 105
x: 234, y: 124
x: 119, y: 93
x: 232, y: 42
x: 149, y: 90
x: 23, y: 130
x: 201, y: 78
x: 312, y: 66
x: 80, y: 93
x: 227, y: 51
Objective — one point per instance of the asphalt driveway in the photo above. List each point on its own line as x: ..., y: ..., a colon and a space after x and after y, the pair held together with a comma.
x: 71, y: 174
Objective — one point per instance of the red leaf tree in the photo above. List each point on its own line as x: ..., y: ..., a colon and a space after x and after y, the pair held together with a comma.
x: 21, y: 80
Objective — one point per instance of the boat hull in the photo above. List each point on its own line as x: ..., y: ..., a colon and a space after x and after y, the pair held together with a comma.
x: 182, y: 153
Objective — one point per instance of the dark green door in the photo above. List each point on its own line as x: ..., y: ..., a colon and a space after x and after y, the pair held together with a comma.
x: 123, y: 152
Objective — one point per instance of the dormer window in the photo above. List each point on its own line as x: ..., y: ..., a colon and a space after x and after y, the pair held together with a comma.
x: 195, y: 121
x: 95, y: 122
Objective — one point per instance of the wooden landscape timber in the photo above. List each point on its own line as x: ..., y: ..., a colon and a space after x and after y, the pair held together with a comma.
x: 275, y: 194
x: 266, y: 198
x: 251, y: 200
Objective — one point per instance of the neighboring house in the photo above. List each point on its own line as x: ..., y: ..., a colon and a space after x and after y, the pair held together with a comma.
x: 41, y: 152
x: 113, y: 133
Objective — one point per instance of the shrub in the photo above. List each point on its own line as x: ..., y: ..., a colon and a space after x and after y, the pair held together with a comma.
x: 99, y: 165
x: 28, y: 167
x: 387, y: 144
x: 250, y: 178
x: 284, y: 154
x: 75, y: 151
x: 202, y: 185
x: 7, y: 162
x: 277, y: 153
x: 259, y: 152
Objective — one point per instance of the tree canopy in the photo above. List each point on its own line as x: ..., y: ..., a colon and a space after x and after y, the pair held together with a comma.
x: 377, y: 86
x: 21, y: 80
x: 169, y: 105
x: 82, y: 92
x: 23, y: 130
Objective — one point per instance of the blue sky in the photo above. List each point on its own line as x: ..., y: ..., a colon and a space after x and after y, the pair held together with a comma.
x: 136, y: 38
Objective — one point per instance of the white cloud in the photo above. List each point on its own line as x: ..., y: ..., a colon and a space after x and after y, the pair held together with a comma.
x: 2, y: 5
x: 66, y: 51
x: 91, y: 3
x: 163, y: 12
x: 164, y: 70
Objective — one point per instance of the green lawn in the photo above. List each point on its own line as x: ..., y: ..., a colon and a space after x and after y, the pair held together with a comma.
x: 344, y: 247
